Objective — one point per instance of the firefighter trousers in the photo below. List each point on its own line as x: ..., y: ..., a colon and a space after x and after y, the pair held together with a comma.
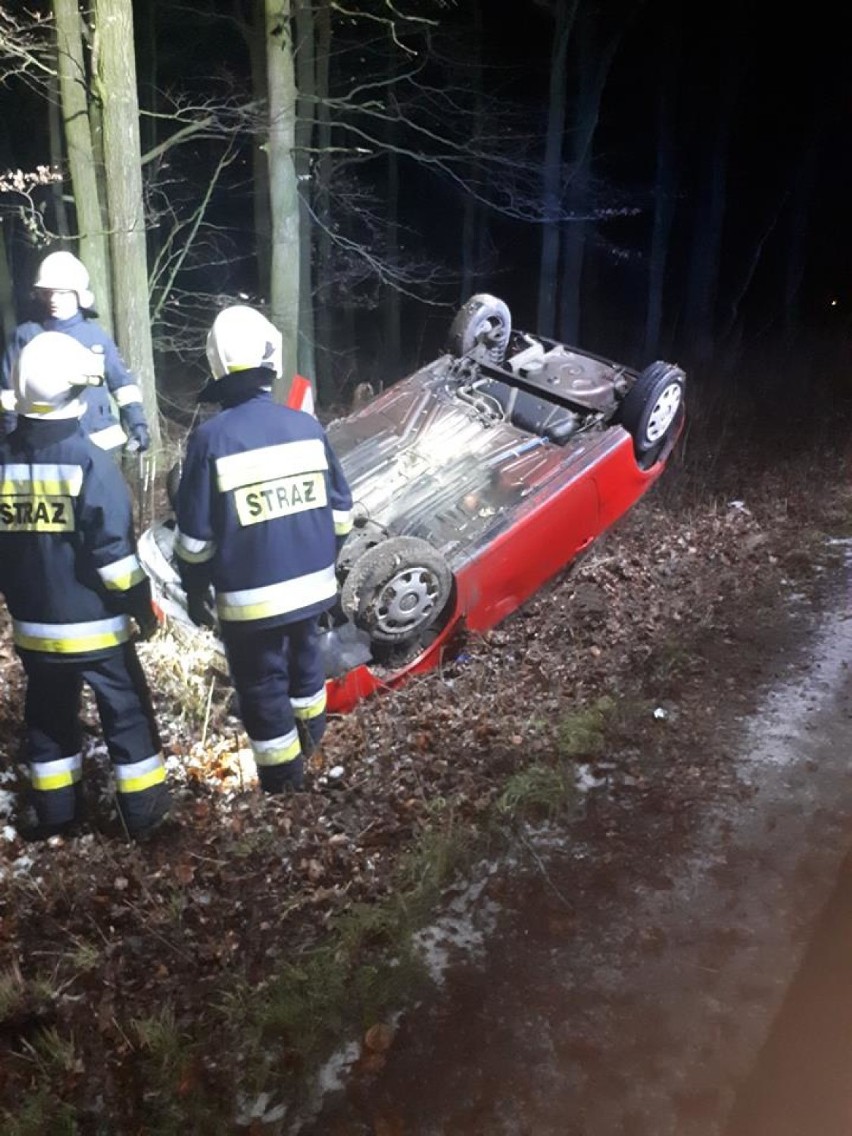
x: 279, y: 678
x: 55, y: 736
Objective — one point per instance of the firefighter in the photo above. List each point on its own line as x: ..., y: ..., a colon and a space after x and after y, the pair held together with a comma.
x: 72, y: 582
x: 262, y: 509
x: 66, y: 304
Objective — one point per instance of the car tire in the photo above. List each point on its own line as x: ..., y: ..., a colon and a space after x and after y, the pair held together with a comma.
x: 397, y: 589
x: 481, y: 327
x: 652, y: 408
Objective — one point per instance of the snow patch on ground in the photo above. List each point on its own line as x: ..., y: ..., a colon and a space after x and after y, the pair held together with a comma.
x: 463, y: 929
x: 779, y: 731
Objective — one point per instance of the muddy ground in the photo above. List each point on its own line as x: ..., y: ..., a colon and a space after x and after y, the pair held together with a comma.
x: 132, y: 977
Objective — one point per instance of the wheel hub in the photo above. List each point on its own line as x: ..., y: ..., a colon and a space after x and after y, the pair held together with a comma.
x: 663, y: 413
x: 406, y: 601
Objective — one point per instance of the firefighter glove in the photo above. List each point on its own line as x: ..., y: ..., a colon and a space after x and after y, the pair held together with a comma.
x: 147, y: 622
x: 140, y: 439
x: 199, y: 611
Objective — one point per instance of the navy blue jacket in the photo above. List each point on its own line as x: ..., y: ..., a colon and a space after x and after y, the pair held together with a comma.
x: 68, y: 564
x: 99, y: 421
x: 261, y: 506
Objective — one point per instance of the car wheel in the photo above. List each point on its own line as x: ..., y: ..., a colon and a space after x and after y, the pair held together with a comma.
x: 397, y: 589
x: 651, y: 409
x: 482, y: 326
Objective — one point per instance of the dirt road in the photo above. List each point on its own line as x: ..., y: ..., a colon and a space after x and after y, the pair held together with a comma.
x: 678, y: 962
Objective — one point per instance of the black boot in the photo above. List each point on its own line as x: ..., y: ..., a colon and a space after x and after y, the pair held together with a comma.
x: 286, y: 778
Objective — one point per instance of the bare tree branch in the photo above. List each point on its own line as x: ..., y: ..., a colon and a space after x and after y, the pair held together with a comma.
x: 16, y: 197
x: 173, y: 254
x: 26, y: 51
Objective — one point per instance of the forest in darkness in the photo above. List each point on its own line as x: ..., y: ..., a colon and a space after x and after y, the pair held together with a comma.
x: 633, y: 177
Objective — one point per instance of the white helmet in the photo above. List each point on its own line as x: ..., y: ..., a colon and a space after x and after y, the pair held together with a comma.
x: 49, y: 374
x: 63, y: 272
x: 242, y: 339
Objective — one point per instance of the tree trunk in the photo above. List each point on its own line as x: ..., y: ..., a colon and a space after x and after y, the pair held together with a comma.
x: 260, y: 162
x: 82, y: 162
x: 57, y: 157
x: 306, y: 82
x: 392, y: 338
x: 473, y: 234
x: 709, y: 216
x: 146, y: 40
x: 284, y: 199
x: 551, y: 179
x: 799, y: 228
x: 665, y: 194
x: 322, y: 207
x: 7, y: 292
x: 593, y: 71
x: 116, y: 79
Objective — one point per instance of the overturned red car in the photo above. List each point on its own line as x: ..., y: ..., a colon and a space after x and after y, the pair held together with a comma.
x: 475, y: 480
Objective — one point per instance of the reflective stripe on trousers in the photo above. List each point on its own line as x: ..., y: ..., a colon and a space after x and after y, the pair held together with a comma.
x: 272, y: 668
x: 310, y: 717
x: 54, y: 735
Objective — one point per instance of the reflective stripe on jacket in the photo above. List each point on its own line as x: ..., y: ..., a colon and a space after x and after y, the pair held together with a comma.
x: 261, y: 502
x: 68, y: 563
x: 99, y: 421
